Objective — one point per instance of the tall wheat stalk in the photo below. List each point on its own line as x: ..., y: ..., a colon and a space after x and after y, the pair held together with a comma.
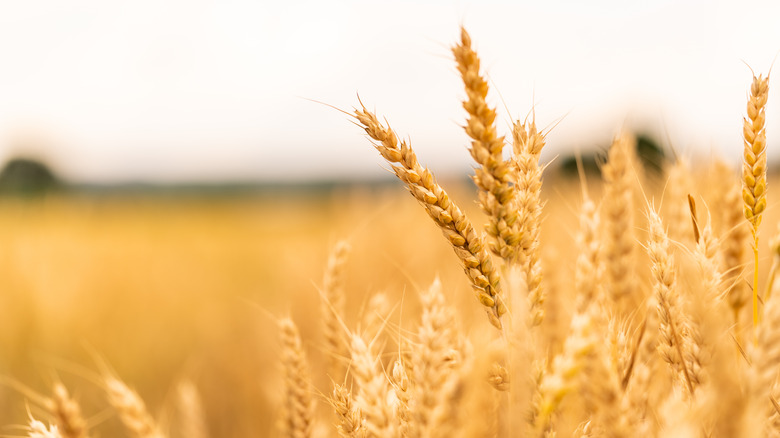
x: 754, y: 169
x: 493, y: 177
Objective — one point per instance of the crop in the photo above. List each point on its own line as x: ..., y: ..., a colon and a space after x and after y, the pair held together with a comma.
x: 616, y: 303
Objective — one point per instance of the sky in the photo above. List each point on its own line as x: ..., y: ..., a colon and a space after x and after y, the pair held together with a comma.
x: 183, y: 91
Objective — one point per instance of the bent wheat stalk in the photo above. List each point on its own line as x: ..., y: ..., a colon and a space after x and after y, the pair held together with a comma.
x: 459, y: 231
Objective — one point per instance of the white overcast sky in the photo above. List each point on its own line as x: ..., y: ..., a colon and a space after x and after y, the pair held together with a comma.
x: 210, y: 90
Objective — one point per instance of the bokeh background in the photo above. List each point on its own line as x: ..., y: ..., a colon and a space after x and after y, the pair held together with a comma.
x: 174, y: 174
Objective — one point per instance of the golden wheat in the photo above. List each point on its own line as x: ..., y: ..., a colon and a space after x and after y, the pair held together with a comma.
x: 597, y: 339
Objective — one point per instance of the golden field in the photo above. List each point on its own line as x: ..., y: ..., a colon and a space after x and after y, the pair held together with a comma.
x: 168, y: 288
x: 621, y: 303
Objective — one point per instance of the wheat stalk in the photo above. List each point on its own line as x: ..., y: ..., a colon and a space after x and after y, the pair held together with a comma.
x: 372, y: 390
x: 493, y: 177
x: 671, y: 345
x: 298, y: 413
x: 528, y: 144
x: 333, y: 308
x: 754, y: 169
x: 454, y: 224
x: 67, y: 412
x: 350, y: 419
x: 435, y: 360
x: 603, y: 394
x: 766, y: 357
x: 678, y: 186
x: 403, y: 410
x: 638, y: 380
x: 734, y: 241
x: 617, y: 209
x: 588, y: 270
x: 566, y: 366
x: 131, y: 409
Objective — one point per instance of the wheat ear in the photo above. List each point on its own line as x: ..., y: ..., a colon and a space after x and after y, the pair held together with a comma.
x: 435, y: 359
x: 602, y: 392
x: 132, y: 410
x: 679, y: 185
x: 350, y: 419
x: 454, y: 224
x: 588, y: 269
x: 298, y: 411
x: 671, y: 345
x: 637, y: 382
x: 334, y: 300
x: 617, y: 209
x: 528, y: 143
x: 563, y: 377
x: 377, y: 310
x: 754, y: 169
x: 734, y: 241
x: 496, y: 194
x: 372, y: 390
x: 39, y: 430
x: 67, y: 412
x: 403, y: 393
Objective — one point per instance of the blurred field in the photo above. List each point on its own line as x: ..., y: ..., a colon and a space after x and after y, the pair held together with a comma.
x: 165, y: 288
x: 169, y: 287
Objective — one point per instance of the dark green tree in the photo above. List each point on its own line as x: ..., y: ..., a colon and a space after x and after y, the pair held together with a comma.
x: 27, y: 176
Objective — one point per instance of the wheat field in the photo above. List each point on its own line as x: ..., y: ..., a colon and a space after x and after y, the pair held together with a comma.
x: 625, y: 303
